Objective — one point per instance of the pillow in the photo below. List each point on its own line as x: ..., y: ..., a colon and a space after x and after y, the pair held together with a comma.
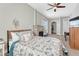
x: 15, y: 37
x: 26, y: 36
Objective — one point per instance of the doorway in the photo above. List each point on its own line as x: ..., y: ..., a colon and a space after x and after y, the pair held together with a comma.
x: 53, y: 28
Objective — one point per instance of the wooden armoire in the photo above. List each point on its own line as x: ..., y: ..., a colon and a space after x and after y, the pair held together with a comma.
x: 74, y: 33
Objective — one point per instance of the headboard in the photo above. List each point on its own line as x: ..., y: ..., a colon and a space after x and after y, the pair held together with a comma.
x: 9, y: 36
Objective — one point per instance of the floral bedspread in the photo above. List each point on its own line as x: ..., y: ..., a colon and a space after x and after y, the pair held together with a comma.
x: 39, y: 46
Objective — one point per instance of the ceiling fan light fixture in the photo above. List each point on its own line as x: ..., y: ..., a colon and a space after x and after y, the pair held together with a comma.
x: 54, y: 10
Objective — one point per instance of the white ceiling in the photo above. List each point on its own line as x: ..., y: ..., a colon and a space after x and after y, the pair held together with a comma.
x: 42, y: 8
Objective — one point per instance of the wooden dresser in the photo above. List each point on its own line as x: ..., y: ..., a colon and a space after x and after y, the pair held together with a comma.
x: 74, y: 33
x: 74, y: 37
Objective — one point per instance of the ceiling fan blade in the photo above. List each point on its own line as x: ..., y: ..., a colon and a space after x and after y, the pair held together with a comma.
x: 50, y: 4
x: 49, y: 8
x: 58, y: 3
x: 60, y: 6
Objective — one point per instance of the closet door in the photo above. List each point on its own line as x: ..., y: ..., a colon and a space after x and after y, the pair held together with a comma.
x: 71, y: 36
x: 76, y: 38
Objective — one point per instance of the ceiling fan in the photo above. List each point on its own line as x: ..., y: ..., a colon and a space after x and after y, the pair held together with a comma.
x: 55, y: 5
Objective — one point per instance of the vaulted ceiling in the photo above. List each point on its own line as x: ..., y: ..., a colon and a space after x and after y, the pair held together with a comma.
x: 42, y: 8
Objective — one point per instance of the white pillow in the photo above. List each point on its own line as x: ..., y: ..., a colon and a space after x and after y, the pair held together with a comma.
x: 15, y: 36
x: 26, y: 36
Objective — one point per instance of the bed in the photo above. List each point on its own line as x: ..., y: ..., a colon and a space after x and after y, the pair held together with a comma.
x: 24, y: 43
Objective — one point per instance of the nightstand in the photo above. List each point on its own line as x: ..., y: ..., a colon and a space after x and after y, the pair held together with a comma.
x: 1, y: 47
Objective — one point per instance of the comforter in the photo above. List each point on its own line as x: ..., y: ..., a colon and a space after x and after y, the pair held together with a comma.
x: 39, y: 46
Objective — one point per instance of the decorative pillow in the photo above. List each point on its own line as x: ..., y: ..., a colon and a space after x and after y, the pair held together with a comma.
x: 26, y: 36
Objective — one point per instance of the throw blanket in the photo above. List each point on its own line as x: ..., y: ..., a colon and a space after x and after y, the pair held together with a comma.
x: 12, y: 48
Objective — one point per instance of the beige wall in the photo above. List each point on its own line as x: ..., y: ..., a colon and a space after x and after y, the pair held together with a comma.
x: 22, y: 12
x: 40, y: 17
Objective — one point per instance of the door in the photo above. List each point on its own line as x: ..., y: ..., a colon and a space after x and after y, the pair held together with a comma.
x: 53, y: 28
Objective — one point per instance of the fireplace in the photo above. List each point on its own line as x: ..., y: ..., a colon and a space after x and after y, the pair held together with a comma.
x: 41, y: 33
